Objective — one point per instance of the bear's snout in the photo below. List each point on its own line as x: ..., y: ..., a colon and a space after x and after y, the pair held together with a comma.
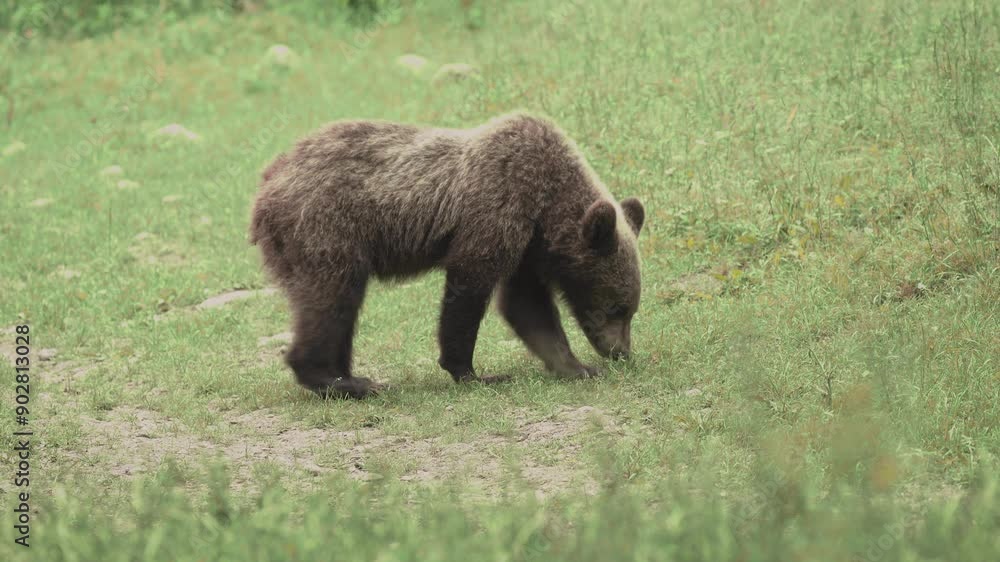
x: 613, y: 341
x: 623, y: 349
x: 620, y: 354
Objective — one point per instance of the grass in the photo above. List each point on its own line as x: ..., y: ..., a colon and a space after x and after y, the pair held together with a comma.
x: 817, y: 362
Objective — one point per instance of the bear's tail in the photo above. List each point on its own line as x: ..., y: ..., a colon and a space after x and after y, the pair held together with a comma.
x: 257, y: 224
x: 273, y: 168
x: 266, y: 234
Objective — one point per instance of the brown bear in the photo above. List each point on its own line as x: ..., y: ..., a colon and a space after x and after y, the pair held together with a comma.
x: 511, y: 204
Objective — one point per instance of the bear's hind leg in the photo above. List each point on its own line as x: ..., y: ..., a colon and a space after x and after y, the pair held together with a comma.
x: 527, y: 305
x: 320, y: 354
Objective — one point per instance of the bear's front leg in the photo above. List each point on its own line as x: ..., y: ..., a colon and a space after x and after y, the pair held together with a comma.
x: 462, y: 309
x: 527, y: 305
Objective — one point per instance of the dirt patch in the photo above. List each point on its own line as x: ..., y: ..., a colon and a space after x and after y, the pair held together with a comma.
x: 273, y: 346
x: 919, y: 498
x: 68, y: 372
x: 483, y: 462
x: 129, y: 441
x: 698, y: 285
x: 270, y: 438
x: 565, y: 424
x: 135, y: 441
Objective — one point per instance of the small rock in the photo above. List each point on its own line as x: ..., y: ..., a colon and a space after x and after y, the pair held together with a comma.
x: 114, y: 170
x: 414, y: 63
x: 283, y: 337
x: 45, y: 201
x: 281, y: 55
x: 692, y: 392
x: 127, y: 184
x: 456, y: 72
x: 67, y: 273
x: 47, y: 354
x: 13, y: 148
x: 176, y: 131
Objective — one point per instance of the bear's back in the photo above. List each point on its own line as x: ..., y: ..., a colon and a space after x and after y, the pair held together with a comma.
x: 405, y: 198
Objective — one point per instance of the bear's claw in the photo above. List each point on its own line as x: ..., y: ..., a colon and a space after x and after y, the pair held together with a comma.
x: 582, y: 371
x: 351, y: 387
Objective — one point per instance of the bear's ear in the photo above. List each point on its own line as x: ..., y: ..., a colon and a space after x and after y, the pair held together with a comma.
x: 598, y: 229
x: 634, y: 213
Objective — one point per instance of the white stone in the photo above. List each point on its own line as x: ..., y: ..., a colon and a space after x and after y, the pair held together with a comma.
x: 414, y: 63
x: 177, y: 131
x: 67, y: 273
x: 283, y: 337
x: 281, y: 55
x: 13, y: 148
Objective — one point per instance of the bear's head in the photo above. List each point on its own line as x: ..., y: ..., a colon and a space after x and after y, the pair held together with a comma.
x: 603, y: 290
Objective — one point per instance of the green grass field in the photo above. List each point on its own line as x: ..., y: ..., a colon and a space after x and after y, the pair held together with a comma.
x: 817, y: 370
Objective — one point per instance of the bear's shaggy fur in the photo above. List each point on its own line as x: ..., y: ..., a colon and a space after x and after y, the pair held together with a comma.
x: 511, y: 205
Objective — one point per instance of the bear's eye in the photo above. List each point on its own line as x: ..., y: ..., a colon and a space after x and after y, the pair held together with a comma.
x: 618, y: 311
x: 625, y: 311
